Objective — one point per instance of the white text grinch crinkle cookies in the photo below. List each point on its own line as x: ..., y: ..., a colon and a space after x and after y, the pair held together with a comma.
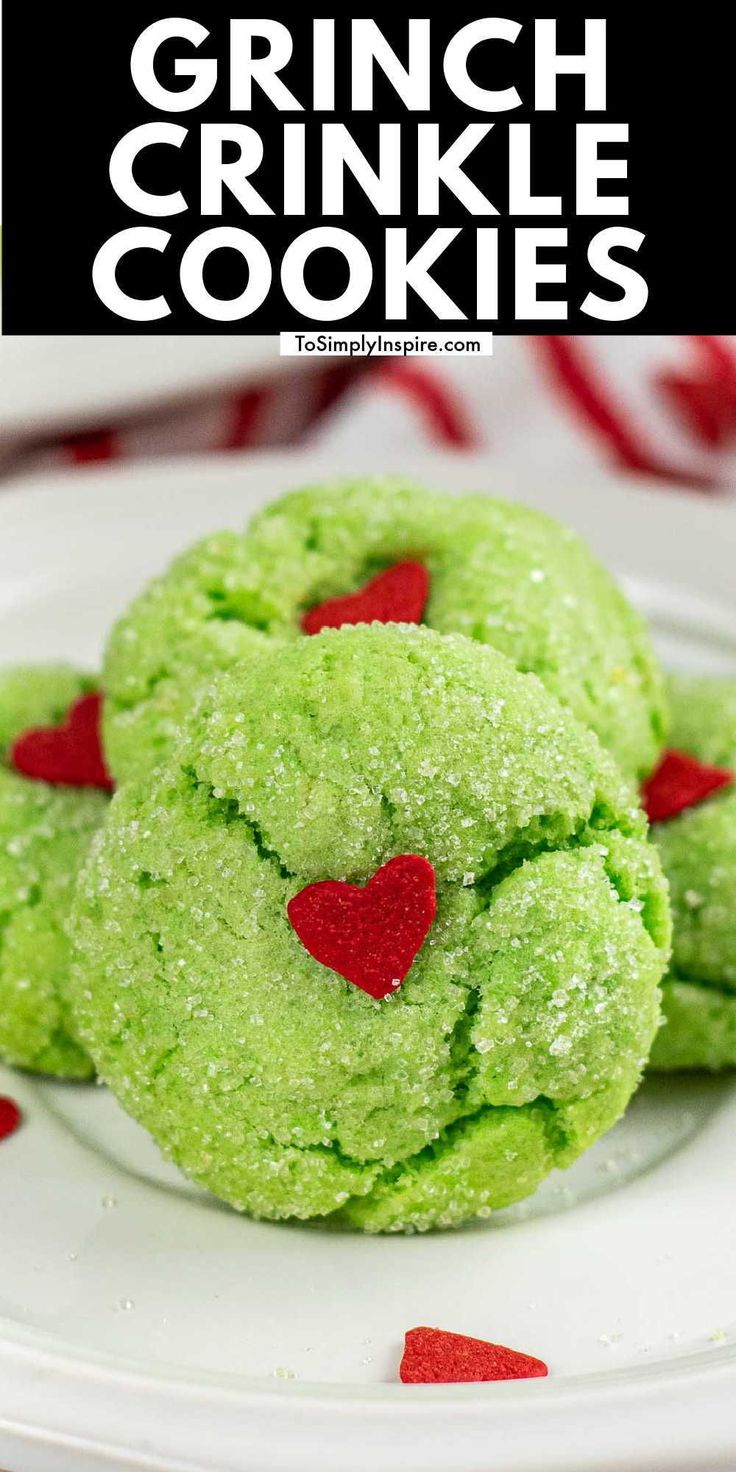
x: 51, y: 804
x: 692, y: 802
x: 385, y: 550
x: 384, y: 939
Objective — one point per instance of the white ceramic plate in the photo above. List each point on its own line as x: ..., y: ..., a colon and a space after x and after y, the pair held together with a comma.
x: 142, y: 1325
x: 78, y: 382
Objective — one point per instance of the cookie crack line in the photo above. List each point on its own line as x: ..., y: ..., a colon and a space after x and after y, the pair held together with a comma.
x: 445, y: 1138
x: 548, y: 1109
x: 228, y: 808
x: 468, y: 1061
x: 719, y: 988
x: 507, y: 861
x: 6, y: 917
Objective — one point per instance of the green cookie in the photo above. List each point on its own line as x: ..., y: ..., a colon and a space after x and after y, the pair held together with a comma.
x: 522, y: 1027
x: 45, y: 833
x: 698, y: 851
x: 501, y: 573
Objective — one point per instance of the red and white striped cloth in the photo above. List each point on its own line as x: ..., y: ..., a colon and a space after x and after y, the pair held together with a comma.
x: 659, y: 406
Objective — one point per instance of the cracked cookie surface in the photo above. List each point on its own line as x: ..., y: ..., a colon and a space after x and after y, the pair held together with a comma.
x: 520, y: 1031
x: 45, y: 833
x: 698, y: 850
x: 501, y: 573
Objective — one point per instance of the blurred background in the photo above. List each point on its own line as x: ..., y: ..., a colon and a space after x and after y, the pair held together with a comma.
x: 663, y: 407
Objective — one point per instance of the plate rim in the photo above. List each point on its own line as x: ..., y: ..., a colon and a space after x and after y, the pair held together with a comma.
x: 315, y: 1428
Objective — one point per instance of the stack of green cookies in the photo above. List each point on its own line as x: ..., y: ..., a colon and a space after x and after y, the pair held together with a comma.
x: 501, y: 574
x: 373, y: 929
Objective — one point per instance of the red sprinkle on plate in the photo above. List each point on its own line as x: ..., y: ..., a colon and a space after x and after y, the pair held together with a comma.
x: 680, y: 782
x: 396, y: 596
x: 10, y: 1117
x: 371, y: 936
x: 68, y: 755
x: 436, y: 1357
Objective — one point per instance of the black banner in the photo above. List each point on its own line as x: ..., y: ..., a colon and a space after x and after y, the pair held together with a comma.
x: 215, y: 174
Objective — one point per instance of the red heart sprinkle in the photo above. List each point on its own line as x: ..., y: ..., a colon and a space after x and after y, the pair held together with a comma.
x: 680, y: 782
x: 70, y: 754
x: 396, y: 596
x: 435, y: 1357
x: 370, y: 936
x: 10, y: 1117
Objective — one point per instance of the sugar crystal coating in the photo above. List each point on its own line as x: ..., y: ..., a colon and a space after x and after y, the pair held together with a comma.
x: 522, y: 1027
x: 501, y: 573
x: 45, y: 832
x: 698, y: 850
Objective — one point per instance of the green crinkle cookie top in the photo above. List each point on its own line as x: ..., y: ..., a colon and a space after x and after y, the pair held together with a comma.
x: 44, y: 837
x: 501, y: 573
x: 343, y: 751
x: 521, y: 1029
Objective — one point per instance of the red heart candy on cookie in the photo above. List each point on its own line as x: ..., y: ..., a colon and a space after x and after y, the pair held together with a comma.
x: 371, y: 936
x: 436, y: 1357
x: 69, y: 755
x: 680, y: 782
x: 396, y: 596
x: 10, y: 1117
